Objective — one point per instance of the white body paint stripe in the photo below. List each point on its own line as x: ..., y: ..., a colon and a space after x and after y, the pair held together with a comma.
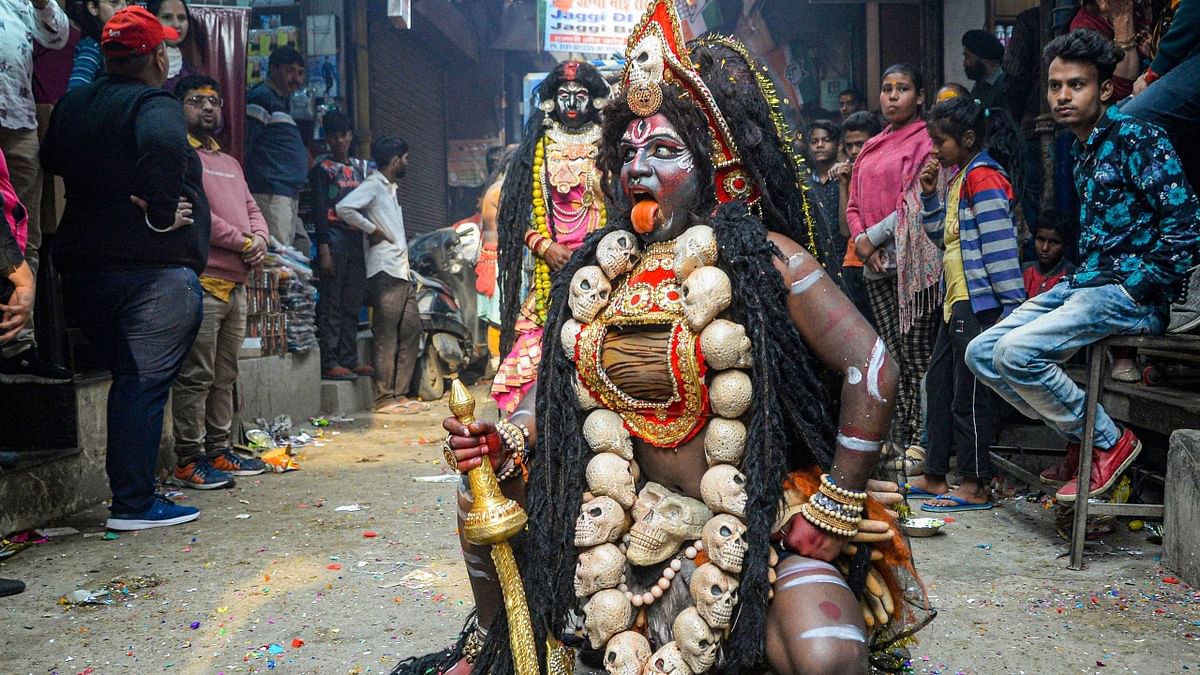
x: 878, y: 352
x: 813, y: 579
x: 853, y: 375
x: 858, y: 444
x: 807, y: 282
x: 840, y: 632
x: 810, y: 566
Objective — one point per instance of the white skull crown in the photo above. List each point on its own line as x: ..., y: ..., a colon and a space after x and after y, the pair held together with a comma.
x: 589, y: 293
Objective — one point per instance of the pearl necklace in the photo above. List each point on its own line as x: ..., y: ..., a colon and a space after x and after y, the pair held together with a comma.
x: 660, y: 587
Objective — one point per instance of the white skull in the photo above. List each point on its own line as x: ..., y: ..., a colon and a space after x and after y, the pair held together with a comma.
x: 609, y: 475
x: 606, y: 614
x: 605, y: 431
x: 724, y: 441
x: 725, y: 542
x: 586, y: 400
x: 664, y: 521
x: 695, y: 248
x: 568, y: 336
x: 706, y: 293
x: 725, y: 345
x: 646, y: 59
x: 668, y: 661
x: 598, y: 568
x: 697, y: 641
x: 600, y: 521
x: 617, y: 253
x: 730, y: 393
x: 723, y: 488
x: 626, y: 654
x: 715, y: 595
x: 589, y: 293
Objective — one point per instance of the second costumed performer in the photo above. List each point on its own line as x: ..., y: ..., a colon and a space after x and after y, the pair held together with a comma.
x: 551, y: 200
x: 693, y: 504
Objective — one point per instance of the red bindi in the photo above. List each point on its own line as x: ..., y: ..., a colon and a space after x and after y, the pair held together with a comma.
x: 831, y: 610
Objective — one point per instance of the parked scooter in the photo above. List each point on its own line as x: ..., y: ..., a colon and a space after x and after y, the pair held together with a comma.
x: 453, y: 340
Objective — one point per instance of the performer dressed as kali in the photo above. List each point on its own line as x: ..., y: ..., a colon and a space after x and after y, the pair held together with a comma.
x: 695, y: 501
x: 551, y: 201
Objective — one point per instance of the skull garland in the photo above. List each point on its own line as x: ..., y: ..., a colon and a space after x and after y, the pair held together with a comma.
x: 626, y: 654
x: 724, y: 441
x: 724, y: 490
x: 698, y: 643
x: 725, y: 541
x: 598, y: 568
x: 695, y: 248
x: 617, y: 253
x: 610, y: 476
x: 589, y: 293
x: 668, y: 661
x: 715, y: 595
x: 664, y: 521
x: 600, y: 521
x: 730, y: 393
x: 569, y: 336
x: 606, y: 614
x: 725, y: 345
x: 706, y: 293
x: 605, y: 431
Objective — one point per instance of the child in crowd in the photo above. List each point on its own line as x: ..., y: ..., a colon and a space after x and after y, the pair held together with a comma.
x: 982, y: 278
x: 1054, y: 238
x: 857, y: 129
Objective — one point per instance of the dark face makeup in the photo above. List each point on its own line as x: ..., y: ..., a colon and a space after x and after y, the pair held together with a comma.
x: 572, y: 103
x: 658, y: 167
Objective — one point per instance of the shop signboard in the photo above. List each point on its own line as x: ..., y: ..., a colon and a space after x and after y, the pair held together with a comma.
x: 602, y: 26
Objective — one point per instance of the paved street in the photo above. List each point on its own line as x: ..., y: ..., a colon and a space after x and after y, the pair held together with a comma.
x: 301, y: 587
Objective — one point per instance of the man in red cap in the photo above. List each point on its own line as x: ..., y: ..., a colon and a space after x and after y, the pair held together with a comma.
x: 130, y: 247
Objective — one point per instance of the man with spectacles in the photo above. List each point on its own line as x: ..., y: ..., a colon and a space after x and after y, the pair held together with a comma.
x: 202, y: 396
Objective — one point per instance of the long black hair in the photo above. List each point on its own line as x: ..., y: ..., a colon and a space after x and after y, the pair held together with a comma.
x: 993, y: 128
x: 790, y: 426
x: 195, y: 43
x: 516, y: 196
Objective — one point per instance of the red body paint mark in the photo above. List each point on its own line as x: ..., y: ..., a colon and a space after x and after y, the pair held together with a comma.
x: 831, y: 610
x: 859, y: 432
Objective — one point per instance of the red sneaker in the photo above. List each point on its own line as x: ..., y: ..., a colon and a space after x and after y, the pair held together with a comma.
x: 363, y: 370
x: 1065, y: 470
x: 1107, y: 466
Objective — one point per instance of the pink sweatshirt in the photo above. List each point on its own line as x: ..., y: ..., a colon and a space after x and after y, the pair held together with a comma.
x: 235, y: 216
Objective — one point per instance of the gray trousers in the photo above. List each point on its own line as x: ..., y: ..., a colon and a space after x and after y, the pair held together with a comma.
x: 283, y: 220
x: 202, y: 396
x: 397, y: 328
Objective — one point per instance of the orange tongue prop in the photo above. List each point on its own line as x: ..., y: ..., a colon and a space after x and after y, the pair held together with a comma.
x: 645, y: 216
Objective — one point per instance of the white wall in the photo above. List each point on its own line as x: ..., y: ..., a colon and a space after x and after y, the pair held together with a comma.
x: 958, y: 17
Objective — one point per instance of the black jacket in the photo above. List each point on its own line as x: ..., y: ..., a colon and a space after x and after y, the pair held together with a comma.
x: 109, y: 140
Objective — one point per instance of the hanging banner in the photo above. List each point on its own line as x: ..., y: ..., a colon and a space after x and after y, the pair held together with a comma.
x: 590, y: 26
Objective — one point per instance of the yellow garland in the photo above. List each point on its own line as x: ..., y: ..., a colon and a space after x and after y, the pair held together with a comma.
x: 541, y: 269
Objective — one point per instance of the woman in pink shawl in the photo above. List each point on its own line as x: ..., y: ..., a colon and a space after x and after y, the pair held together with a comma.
x: 901, y: 266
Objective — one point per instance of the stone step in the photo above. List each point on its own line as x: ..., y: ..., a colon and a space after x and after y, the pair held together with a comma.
x: 347, y: 396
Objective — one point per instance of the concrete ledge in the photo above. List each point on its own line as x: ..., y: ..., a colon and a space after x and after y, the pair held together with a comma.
x: 346, y: 396
x: 1181, y: 549
x: 280, y: 385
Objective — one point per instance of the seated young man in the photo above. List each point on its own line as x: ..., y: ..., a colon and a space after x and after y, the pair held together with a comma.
x: 1139, y: 236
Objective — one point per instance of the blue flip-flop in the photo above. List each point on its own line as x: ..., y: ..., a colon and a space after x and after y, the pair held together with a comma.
x: 960, y: 504
x: 911, y: 491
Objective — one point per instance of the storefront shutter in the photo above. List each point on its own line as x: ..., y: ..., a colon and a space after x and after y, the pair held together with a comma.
x: 408, y: 99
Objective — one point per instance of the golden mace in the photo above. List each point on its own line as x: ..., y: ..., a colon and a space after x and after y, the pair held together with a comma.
x: 493, y: 520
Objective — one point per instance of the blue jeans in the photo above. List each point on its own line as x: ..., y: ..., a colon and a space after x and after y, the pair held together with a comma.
x: 1021, y: 357
x: 143, y: 323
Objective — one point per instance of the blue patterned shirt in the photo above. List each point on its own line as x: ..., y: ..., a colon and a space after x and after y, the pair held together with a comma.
x: 1137, y: 212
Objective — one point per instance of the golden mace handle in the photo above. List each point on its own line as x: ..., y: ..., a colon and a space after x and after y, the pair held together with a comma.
x: 494, y: 519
